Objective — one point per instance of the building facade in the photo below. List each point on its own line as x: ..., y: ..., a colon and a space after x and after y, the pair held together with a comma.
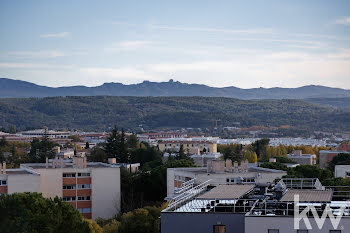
x: 190, y: 146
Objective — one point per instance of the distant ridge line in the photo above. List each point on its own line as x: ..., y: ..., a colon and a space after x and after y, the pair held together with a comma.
x: 10, y: 88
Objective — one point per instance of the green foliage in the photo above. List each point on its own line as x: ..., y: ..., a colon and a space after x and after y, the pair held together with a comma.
x: 40, y: 149
x: 87, y: 145
x: 284, y: 160
x: 341, y: 158
x: 259, y: 147
x: 30, y: 212
x: 310, y: 171
x: 101, y: 112
x: 277, y: 166
x: 98, y: 154
x: 251, y: 156
x: 112, y: 227
x: 231, y: 151
x: 143, y: 220
x: 75, y: 138
x: 116, y: 146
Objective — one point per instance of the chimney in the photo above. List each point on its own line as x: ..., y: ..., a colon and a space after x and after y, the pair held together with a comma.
x: 228, y: 165
x: 235, y: 166
x: 84, y: 162
x: 4, y: 168
x: 61, y: 162
x: 47, y: 162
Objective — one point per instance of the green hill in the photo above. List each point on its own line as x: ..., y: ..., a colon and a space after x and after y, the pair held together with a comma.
x: 101, y: 112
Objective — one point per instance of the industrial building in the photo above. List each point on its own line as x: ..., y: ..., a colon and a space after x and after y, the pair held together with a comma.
x: 220, y: 172
x: 254, y: 208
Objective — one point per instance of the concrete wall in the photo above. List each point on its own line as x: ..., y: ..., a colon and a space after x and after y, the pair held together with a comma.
x: 105, y: 192
x: 217, y: 178
x: 340, y: 170
x: 50, y: 182
x: 23, y: 183
x: 285, y: 224
x: 178, y: 222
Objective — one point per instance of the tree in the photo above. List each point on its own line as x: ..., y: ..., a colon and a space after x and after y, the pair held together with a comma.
x: 94, y: 227
x: 112, y: 227
x: 251, y: 156
x: 259, y: 147
x: 87, y: 145
x: 132, y: 141
x: 12, y: 129
x: 116, y: 146
x: 181, y: 154
x: 138, y: 221
x: 232, y: 151
x: 341, y: 158
x: 40, y: 149
x: 31, y: 212
x: 75, y: 138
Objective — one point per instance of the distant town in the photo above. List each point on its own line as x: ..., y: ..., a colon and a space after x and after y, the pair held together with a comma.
x: 180, y: 176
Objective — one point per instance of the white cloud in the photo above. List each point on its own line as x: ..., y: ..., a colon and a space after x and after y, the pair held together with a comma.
x: 23, y: 65
x: 127, y: 45
x: 55, y: 35
x: 36, y: 54
x: 344, y: 21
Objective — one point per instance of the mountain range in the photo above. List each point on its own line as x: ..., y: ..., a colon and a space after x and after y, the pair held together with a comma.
x: 10, y: 88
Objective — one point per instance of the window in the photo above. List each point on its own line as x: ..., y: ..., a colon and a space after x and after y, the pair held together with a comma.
x: 219, y: 229
x: 335, y: 231
x: 249, y: 180
x: 69, y: 198
x: 347, y: 174
x: 3, y: 182
x: 302, y: 231
x: 83, y: 174
x: 84, y: 198
x: 273, y: 231
x: 84, y: 210
x: 84, y: 186
x: 68, y: 174
x: 68, y: 186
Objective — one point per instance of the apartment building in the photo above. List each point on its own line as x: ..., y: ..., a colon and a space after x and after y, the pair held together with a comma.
x: 92, y: 188
x: 192, y: 147
x: 254, y: 208
x: 327, y: 155
x: 342, y: 171
x: 220, y: 172
x: 18, y: 180
x: 302, y: 159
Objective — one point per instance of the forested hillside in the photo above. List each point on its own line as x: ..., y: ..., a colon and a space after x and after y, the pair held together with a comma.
x: 101, y: 112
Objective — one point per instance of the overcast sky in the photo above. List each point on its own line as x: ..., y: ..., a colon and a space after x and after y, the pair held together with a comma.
x: 219, y: 43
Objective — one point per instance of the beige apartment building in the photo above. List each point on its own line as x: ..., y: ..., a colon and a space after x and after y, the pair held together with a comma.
x: 92, y: 188
x: 193, y: 147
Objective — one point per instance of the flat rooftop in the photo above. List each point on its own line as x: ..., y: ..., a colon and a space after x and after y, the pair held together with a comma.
x: 69, y: 165
x: 308, y: 195
x: 227, y: 192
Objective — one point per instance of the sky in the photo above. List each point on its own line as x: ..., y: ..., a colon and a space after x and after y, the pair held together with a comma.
x: 246, y: 44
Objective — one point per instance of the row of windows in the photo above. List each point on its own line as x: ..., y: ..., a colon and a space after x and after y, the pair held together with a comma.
x: 84, y: 198
x: 69, y: 198
x: 3, y: 182
x: 80, y: 174
x: 245, y: 180
x: 80, y: 198
x: 188, y: 145
x: 84, y: 210
x: 80, y: 186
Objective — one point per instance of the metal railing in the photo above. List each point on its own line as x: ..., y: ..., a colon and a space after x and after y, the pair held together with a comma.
x: 187, y: 195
